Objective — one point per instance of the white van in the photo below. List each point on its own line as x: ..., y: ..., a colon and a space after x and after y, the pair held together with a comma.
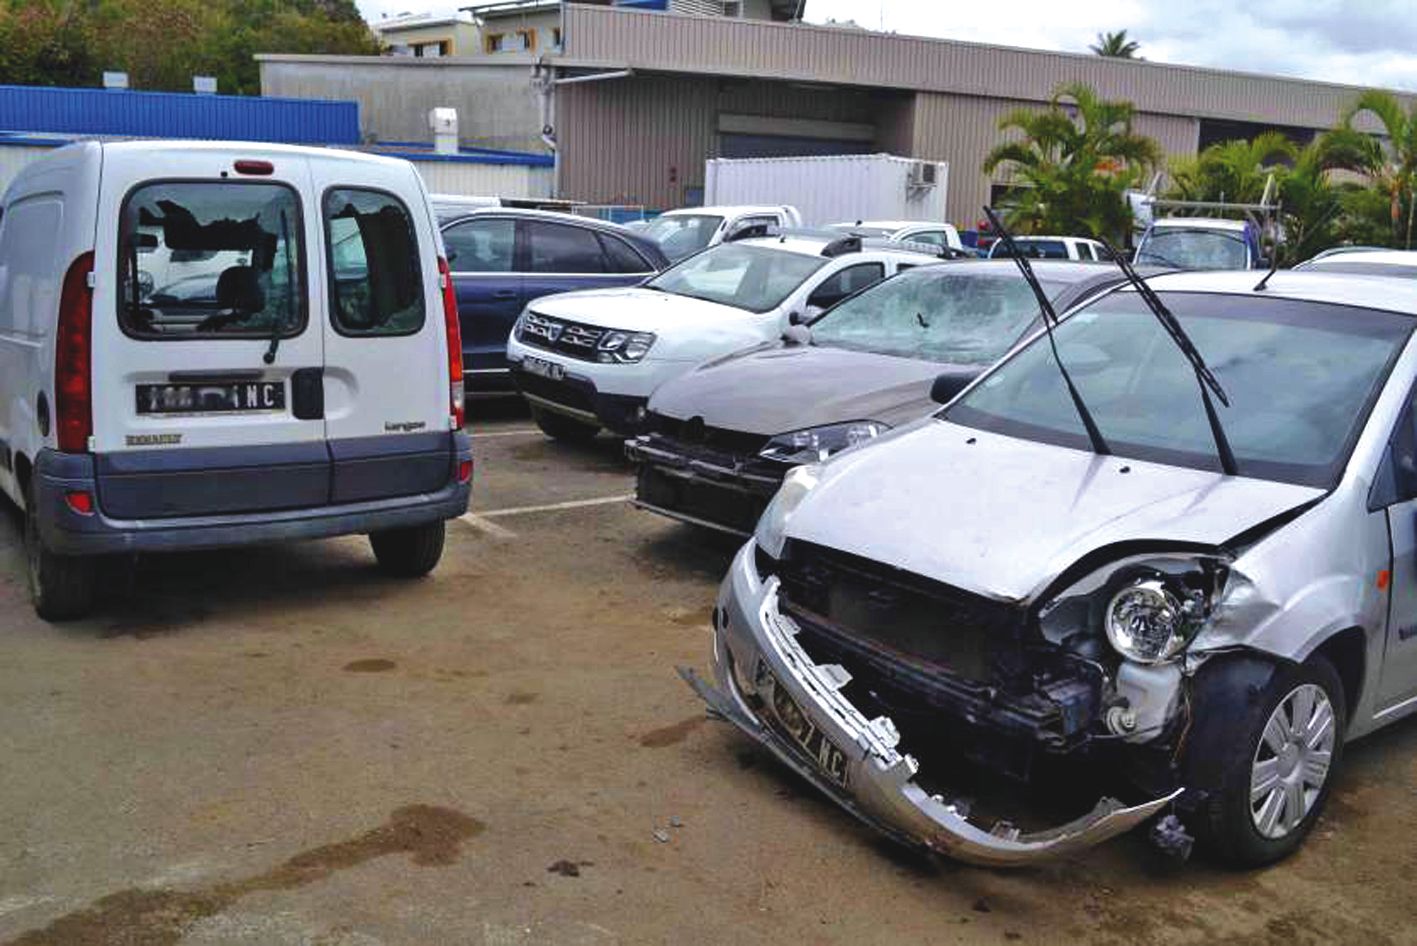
x: 307, y: 382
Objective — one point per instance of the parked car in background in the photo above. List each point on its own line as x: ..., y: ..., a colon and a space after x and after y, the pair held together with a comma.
x: 1201, y: 243
x: 913, y: 231
x: 587, y: 360
x: 682, y: 233
x: 718, y: 440
x: 503, y: 258
x: 284, y: 393
x: 1365, y: 261
x: 1200, y: 609
x: 1053, y: 247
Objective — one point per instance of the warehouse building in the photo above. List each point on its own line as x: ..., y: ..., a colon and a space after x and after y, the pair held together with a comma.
x: 633, y: 101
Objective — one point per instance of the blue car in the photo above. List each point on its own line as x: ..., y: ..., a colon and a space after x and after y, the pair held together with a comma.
x: 502, y: 258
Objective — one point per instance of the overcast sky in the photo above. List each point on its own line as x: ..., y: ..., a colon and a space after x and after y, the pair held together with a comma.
x: 1361, y: 42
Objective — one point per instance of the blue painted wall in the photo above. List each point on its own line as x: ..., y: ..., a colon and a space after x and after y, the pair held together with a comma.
x: 37, y: 109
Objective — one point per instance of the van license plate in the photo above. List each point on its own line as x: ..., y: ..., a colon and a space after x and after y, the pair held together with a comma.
x: 543, y: 368
x: 222, y: 397
x: 830, y: 760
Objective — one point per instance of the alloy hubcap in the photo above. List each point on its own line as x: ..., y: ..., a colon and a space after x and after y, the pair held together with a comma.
x: 1291, y: 762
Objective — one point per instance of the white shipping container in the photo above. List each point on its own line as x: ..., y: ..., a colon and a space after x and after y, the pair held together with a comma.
x: 834, y: 188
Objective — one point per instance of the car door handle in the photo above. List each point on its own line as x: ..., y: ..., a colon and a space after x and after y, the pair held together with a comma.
x: 505, y: 294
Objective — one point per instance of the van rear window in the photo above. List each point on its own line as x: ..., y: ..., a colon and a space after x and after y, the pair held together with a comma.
x: 211, y: 259
x: 376, y: 283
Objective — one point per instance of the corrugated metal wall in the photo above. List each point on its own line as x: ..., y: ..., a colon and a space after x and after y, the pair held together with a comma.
x: 486, y: 180
x: 863, y: 58
x: 34, y: 109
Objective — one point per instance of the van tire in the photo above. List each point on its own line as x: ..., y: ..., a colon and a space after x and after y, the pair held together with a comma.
x: 61, y: 586
x: 409, y: 553
x: 560, y: 427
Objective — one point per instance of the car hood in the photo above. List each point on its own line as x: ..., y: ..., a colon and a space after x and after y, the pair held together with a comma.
x: 1002, y: 517
x: 790, y: 387
x: 634, y: 309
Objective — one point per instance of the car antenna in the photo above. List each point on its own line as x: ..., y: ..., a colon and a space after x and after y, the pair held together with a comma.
x: 1273, y: 268
x: 1204, y: 377
x: 1050, y: 319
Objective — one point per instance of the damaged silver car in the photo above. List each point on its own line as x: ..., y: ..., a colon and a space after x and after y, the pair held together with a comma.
x: 1180, y: 556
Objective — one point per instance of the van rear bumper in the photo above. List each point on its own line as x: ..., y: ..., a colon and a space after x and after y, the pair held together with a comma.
x: 72, y: 533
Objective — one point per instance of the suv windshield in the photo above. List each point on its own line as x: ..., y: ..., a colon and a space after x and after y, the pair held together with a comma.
x: 959, y: 318
x: 1194, y: 249
x: 1301, y: 377
x: 749, y: 277
x: 681, y: 235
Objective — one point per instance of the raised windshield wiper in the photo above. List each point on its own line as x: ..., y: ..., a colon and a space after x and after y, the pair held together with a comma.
x: 279, y: 322
x: 1050, y: 319
x: 1204, y: 377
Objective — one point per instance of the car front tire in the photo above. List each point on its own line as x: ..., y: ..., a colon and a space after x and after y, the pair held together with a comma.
x: 409, y: 553
x: 1276, y: 761
x: 61, y: 586
x: 560, y: 427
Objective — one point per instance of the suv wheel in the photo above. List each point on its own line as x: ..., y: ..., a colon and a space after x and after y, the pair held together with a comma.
x: 409, y: 553
x: 1277, y: 767
x: 560, y: 427
x: 61, y: 586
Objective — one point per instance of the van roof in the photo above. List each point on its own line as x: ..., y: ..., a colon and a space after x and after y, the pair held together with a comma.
x: 1200, y: 223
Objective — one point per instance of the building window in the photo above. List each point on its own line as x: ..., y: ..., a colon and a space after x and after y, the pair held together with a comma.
x: 511, y: 42
x: 556, y: 36
x: 433, y: 50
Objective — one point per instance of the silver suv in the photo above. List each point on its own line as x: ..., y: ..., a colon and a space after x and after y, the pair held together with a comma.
x: 1198, y: 610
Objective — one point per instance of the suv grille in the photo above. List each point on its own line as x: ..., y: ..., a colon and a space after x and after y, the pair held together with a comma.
x: 926, y: 624
x: 558, y: 335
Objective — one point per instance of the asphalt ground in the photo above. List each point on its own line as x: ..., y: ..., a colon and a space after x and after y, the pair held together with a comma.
x: 281, y: 746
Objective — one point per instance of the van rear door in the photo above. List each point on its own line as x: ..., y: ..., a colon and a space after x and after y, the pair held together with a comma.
x: 386, y: 367
x: 203, y: 398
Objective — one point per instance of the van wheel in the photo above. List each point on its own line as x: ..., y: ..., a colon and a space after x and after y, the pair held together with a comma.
x: 411, y: 552
x: 1277, y: 767
x: 561, y: 427
x: 61, y: 586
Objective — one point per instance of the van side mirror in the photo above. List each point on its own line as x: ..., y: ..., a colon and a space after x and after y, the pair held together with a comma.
x: 796, y: 318
x: 945, y: 387
x: 797, y: 335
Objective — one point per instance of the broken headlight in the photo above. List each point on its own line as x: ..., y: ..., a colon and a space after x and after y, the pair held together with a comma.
x: 817, y: 443
x: 771, y: 533
x: 1149, y: 607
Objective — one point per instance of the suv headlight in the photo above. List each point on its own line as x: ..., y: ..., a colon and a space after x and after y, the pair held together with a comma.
x: 1149, y: 607
x: 771, y: 533
x: 623, y: 347
x: 817, y: 443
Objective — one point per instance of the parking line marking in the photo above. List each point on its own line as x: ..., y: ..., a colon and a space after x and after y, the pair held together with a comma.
x: 519, y: 432
x: 487, y: 528
x: 554, y: 507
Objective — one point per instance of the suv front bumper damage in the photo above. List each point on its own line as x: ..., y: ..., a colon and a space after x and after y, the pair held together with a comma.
x: 853, y: 760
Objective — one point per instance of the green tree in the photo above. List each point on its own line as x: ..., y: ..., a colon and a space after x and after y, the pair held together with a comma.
x: 1115, y: 45
x: 1234, y: 171
x: 1391, y: 163
x: 1074, y: 162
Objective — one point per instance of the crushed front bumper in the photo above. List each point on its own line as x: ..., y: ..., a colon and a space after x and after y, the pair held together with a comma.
x: 754, y: 647
x: 717, y: 491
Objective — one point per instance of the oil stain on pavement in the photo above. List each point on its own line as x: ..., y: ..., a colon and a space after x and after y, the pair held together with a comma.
x: 372, y: 665
x: 669, y: 735
x: 432, y: 836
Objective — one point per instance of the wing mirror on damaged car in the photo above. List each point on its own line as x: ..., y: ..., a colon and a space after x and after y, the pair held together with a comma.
x: 1176, y: 588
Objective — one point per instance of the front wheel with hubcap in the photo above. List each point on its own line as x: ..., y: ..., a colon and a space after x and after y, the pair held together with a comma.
x: 560, y: 427
x: 411, y: 552
x: 61, y: 586
x: 1279, y: 767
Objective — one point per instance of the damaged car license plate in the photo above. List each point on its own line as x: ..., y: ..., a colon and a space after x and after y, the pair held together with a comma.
x: 791, y: 720
x: 543, y: 368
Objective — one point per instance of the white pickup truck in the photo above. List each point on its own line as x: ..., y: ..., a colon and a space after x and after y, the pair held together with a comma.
x: 682, y: 233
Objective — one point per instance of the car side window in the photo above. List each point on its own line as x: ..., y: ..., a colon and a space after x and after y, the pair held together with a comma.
x: 376, y: 282
x: 1085, y: 252
x: 752, y: 227
x: 560, y: 248
x: 1395, y: 480
x: 933, y: 237
x: 621, y: 256
x: 481, y: 246
x: 845, y: 282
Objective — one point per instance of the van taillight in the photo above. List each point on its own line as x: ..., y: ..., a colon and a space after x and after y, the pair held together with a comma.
x: 454, y: 332
x: 73, y: 350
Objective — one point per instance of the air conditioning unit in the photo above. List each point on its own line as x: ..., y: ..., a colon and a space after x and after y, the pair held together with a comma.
x: 924, y: 174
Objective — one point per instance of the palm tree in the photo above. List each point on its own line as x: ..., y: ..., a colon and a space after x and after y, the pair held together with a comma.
x: 1234, y: 171
x: 1115, y: 45
x: 1392, y: 164
x: 1075, y: 161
